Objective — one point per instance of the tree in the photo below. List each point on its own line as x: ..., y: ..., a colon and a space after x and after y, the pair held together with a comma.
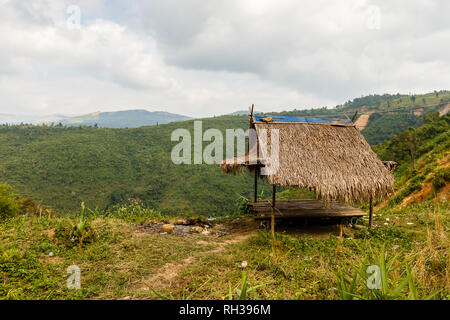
x: 431, y: 118
x: 408, y: 142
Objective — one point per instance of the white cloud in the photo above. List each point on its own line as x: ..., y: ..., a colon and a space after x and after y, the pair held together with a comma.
x: 203, y: 58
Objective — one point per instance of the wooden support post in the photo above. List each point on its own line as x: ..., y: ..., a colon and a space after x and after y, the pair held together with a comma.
x: 255, y: 197
x: 274, y: 192
x: 370, y: 211
x: 272, y: 222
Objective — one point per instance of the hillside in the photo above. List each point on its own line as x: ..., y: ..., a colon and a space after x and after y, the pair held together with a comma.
x: 423, y: 155
x: 386, y: 114
x: 124, y: 251
x: 124, y: 119
x: 63, y: 166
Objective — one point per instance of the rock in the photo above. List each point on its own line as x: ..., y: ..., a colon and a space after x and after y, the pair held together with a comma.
x: 181, y: 230
x: 183, y: 222
x: 167, y: 227
x: 196, y: 229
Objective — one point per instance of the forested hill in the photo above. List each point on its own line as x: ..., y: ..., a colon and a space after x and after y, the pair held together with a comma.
x: 63, y: 166
x: 423, y: 156
x: 386, y: 114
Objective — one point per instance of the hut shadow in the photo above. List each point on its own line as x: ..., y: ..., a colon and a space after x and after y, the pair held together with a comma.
x: 316, y: 228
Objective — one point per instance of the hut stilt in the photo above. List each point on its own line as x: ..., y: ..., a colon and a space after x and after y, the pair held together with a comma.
x: 370, y: 211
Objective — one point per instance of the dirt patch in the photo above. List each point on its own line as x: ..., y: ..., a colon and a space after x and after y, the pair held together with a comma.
x: 189, y: 227
x: 443, y: 194
x: 52, y: 260
x: 166, y: 275
x: 418, y: 196
x: 239, y: 225
x: 362, y: 121
x: 425, y: 189
x: 242, y: 226
x: 222, y: 236
x: 51, y: 234
x: 444, y: 110
x: 222, y: 245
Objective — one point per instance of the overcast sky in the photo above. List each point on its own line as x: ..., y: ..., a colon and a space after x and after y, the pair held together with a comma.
x: 206, y: 57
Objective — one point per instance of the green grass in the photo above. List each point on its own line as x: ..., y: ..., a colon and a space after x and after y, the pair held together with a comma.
x: 124, y: 262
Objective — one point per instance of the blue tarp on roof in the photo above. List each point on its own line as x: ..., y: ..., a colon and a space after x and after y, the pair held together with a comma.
x: 258, y: 117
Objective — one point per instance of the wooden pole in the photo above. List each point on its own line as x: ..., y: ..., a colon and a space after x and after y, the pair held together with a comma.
x: 255, y: 196
x: 370, y: 211
x: 272, y: 220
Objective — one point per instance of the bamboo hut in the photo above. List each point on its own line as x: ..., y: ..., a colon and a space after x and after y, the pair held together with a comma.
x: 328, y: 156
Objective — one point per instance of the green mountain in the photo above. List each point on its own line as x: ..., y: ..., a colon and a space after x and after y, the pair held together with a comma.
x: 63, y: 166
x: 124, y: 119
x: 386, y: 114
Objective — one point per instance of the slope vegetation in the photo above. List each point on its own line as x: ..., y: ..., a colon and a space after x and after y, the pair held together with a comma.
x: 63, y: 166
x: 423, y: 156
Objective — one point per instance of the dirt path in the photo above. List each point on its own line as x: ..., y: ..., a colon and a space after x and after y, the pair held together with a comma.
x: 170, y: 271
x: 362, y: 121
x: 444, y: 110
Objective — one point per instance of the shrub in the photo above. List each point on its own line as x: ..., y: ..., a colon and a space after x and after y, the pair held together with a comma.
x: 441, y: 178
x: 244, y: 206
x: 80, y: 234
x: 10, y: 204
x: 133, y: 211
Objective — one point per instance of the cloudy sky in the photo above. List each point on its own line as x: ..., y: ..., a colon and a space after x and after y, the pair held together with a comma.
x: 207, y: 57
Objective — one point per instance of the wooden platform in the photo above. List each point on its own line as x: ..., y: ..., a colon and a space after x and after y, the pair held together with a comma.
x: 304, y: 209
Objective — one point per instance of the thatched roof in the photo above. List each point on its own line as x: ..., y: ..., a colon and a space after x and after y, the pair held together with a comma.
x: 335, y: 161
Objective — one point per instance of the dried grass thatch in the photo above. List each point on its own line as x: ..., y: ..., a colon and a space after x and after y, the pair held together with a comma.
x: 235, y: 165
x: 335, y: 161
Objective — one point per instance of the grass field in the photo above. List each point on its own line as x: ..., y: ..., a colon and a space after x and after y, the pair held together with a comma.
x: 120, y: 260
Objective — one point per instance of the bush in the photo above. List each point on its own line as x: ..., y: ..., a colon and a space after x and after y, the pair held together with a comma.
x: 133, y: 211
x: 441, y: 178
x: 80, y: 234
x: 10, y: 203
x: 244, y: 206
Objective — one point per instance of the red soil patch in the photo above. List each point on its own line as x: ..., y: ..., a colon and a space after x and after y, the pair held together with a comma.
x: 418, y: 196
x: 443, y: 194
x: 444, y: 110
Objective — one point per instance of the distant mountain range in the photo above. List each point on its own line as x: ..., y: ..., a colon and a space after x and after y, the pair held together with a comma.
x: 118, y: 119
x: 124, y: 119
x: 33, y: 119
